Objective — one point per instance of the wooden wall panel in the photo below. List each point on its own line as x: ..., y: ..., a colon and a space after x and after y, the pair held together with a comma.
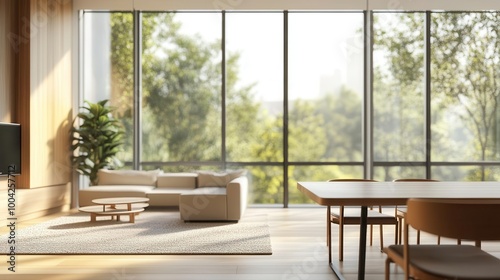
x: 6, y: 54
x: 51, y: 96
x: 7, y: 81
x: 22, y: 72
x: 41, y: 102
x: 34, y: 203
x: 38, y: 202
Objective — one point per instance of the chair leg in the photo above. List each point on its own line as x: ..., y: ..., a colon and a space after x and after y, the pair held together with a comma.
x: 328, y: 228
x: 381, y: 237
x: 396, y: 233
x: 418, y: 236
x: 439, y: 240
x: 341, y: 242
x: 400, y: 231
x: 329, y: 242
x: 387, y: 267
x: 371, y: 235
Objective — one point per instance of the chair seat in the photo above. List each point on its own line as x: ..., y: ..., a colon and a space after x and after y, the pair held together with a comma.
x: 450, y: 261
x: 353, y: 216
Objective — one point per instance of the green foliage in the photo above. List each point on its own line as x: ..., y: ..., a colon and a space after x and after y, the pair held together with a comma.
x: 398, y: 91
x: 245, y: 118
x: 181, y: 94
x: 96, y: 140
x: 465, y: 74
x: 182, y: 110
x: 342, y: 121
x: 467, y: 65
x: 122, y: 75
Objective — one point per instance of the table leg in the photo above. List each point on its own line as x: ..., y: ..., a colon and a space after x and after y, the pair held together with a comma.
x: 362, y: 243
x: 362, y: 247
x: 335, y: 270
x: 329, y: 234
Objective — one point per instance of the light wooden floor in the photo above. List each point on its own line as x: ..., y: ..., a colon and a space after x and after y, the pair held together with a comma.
x: 299, y: 253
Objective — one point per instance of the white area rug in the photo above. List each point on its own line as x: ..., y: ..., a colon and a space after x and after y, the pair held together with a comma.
x: 154, y: 232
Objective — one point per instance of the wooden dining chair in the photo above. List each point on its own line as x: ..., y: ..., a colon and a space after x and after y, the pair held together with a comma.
x: 400, y: 210
x: 472, y: 219
x: 352, y: 216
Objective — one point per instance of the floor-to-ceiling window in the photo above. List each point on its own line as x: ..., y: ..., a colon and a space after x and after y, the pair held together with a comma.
x: 108, y: 66
x: 325, y: 97
x: 281, y: 93
x: 465, y: 80
x: 254, y: 100
x: 399, y: 96
x: 181, y: 90
x: 436, y: 92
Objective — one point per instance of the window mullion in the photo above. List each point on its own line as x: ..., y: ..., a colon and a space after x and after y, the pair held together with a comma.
x: 137, y: 106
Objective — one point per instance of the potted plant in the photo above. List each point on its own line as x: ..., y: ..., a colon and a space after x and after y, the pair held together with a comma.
x: 96, y: 139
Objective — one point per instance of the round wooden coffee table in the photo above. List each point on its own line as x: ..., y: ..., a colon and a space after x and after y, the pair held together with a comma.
x: 116, y: 206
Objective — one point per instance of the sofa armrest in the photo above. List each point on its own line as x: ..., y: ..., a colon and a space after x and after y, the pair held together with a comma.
x: 237, y: 197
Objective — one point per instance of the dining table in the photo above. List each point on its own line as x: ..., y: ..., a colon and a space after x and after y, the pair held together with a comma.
x: 365, y: 194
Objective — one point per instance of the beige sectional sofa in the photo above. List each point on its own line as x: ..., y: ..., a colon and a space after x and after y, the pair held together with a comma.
x: 200, y: 196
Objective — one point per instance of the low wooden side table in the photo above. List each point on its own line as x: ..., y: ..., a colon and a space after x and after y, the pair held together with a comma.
x: 116, y: 206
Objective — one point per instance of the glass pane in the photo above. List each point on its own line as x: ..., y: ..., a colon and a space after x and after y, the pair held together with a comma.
x: 254, y: 85
x: 398, y: 87
x: 465, y: 86
x: 108, y: 67
x: 317, y: 173
x: 191, y: 168
x: 466, y: 173
x: 181, y: 83
x: 265, y: 184
x: 389, y: 173
x: 325, y: 86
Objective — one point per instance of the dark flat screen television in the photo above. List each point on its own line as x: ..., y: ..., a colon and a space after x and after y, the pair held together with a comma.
x: 10, y: 149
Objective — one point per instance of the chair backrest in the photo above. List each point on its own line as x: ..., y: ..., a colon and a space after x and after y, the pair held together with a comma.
x: 473, y: 219
x: 351, y: 180
x: 414, y: 180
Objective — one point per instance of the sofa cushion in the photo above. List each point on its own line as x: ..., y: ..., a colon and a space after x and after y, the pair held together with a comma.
x: 165, y: 196
x: 176, y: 180
x: 127, y: 177
x: 208, y: 191
x: 203, y: 204
x: 118, y: 188
x: 85, y: 196
x: 218, y: 179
